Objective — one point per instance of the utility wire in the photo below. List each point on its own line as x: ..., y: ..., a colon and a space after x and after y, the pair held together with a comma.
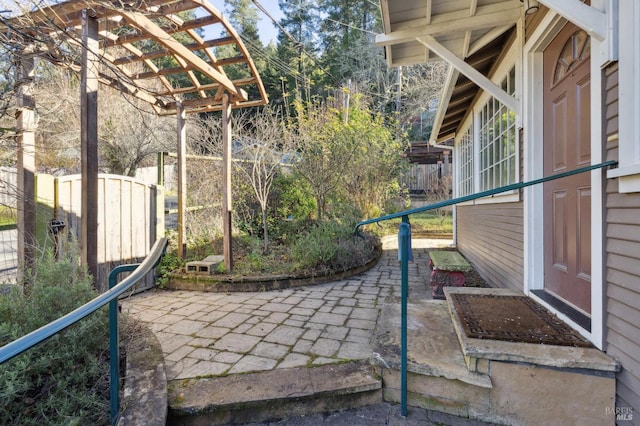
x: 295, y: 74
x: 296, y: 42
x: 351, y: 26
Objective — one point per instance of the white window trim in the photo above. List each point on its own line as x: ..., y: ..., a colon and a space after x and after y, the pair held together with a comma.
x: 460, y: 163
x: 510, y: 60
x: 533, y: 123
x: 628, y: 171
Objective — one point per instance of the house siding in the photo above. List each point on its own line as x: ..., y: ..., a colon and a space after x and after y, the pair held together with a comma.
x: 622, y: 245
x: 490, y: 236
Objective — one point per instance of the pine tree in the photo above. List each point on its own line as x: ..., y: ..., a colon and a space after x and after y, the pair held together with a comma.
x: 346, y: 24
x: 297, y: 46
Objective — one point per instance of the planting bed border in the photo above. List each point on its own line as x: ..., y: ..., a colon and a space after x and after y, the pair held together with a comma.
x: 228, y: 284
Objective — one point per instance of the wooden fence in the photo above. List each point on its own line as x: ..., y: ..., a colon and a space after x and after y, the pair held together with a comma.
x: 421, y: 178
x: 130, y: 219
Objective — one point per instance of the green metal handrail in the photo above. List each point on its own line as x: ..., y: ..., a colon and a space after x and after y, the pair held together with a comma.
x: 487, y: 193
x: 404, y: 235
x: 26, y: 342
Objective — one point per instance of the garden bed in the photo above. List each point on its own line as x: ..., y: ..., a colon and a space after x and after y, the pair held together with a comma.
x: 261, y: 282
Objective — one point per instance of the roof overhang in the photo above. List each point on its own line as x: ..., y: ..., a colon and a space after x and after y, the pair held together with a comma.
x: 159, y: 51
x: 468, y: 34
x: 462, y: 27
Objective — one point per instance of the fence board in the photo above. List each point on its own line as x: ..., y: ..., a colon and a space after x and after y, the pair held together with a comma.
x: 127, y: 222
x: 421, y: 178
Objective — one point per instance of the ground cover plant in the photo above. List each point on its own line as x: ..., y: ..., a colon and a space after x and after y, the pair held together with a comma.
x: 314, y: 249
x: 64, y: 380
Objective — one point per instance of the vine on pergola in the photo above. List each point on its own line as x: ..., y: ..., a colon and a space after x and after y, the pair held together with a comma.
x: 160, y: 51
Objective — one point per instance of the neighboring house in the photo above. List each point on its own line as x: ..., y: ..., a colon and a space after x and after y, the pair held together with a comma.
x: 537, y: 88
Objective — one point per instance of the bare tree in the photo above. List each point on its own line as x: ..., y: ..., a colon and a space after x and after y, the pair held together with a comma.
x: 440, y: 190
x: 129, y: 131
x: 420, y: 91
x: 262, y: 150
x: 259, y: 147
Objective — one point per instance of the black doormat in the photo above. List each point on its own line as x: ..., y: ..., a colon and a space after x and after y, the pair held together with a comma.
x: 514, y: 319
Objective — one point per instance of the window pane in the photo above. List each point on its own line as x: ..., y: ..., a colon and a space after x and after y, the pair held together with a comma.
x: 498, y: 148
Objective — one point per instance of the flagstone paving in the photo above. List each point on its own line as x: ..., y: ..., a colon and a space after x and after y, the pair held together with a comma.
x: 210, y: 334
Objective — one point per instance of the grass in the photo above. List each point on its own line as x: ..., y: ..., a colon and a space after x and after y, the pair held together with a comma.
x: 8, y: 217
x: 424, y: 222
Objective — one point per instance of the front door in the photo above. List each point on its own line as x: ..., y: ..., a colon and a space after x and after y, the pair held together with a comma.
x: 566, y: 146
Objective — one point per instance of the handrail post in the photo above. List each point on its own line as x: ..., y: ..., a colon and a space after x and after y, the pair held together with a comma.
x: 114, y: 344
x: 35, y: 337
x: 404, y: 236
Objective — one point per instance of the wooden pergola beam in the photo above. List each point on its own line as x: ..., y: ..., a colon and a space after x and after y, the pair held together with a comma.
x: 89, y: 84
x: 226, y: 182
x: 164, y: 39
x: 223, y: 41
x: 182, y: 178
x: 105, y: 34
x: 26, y: 163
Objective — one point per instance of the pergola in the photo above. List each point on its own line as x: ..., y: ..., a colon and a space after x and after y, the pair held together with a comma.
x: 159, y: 51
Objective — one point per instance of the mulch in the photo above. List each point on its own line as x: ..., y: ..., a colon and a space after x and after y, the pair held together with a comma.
x: 514, y: 319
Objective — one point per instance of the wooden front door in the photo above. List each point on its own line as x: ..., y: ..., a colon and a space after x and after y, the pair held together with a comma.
x: 567, y: 145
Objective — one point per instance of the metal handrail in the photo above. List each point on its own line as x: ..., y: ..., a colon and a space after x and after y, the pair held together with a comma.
x: 404, y: 235
x: 27, y: 341
x: 484, y: 194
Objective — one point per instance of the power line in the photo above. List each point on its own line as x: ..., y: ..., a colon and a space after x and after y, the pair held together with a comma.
x: 287, y: 69
x: 295, y: 42
x: 351, y: 26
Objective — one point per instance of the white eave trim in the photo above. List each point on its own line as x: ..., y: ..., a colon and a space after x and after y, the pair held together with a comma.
x: 443, y: 103
x: 494, y: 15
x: 590, y: 19
x: 471, y: 73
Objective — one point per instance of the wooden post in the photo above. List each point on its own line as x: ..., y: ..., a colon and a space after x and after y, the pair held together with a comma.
x: 182, y: 179
x: 226, y: 182
x: 89, y: 141
x: 26, y: 167
x: 160, y: 180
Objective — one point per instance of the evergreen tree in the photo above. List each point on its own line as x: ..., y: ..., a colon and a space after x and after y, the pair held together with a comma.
x: 296, y: 43
x: 345, y: 25
x: 243, y: 16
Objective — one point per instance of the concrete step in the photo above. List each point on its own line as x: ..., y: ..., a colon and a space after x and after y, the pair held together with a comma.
x: 575, y: 385
x: 272, y: 395
x: 438, y: 377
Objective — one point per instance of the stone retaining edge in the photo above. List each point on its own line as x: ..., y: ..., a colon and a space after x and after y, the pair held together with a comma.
x: 246, y: 284
x: 144, y: 402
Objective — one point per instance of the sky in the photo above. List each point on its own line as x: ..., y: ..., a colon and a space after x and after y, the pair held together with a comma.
x: 268, y: 32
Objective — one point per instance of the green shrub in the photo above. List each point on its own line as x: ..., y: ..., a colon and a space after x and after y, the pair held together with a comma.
x: 169, y: 263
x: 63, y: 380
x: 289, y: 209
x: 294, y: 206
x: 332, y: 247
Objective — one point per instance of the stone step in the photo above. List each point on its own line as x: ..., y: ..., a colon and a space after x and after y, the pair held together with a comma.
x: 432, y: 344
x: 272, y: 395
x: 440, y: 394
x: 438, y: 378
x: 576, y: 385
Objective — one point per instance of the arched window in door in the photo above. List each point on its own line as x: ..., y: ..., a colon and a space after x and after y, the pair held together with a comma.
x: 576, y: 49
